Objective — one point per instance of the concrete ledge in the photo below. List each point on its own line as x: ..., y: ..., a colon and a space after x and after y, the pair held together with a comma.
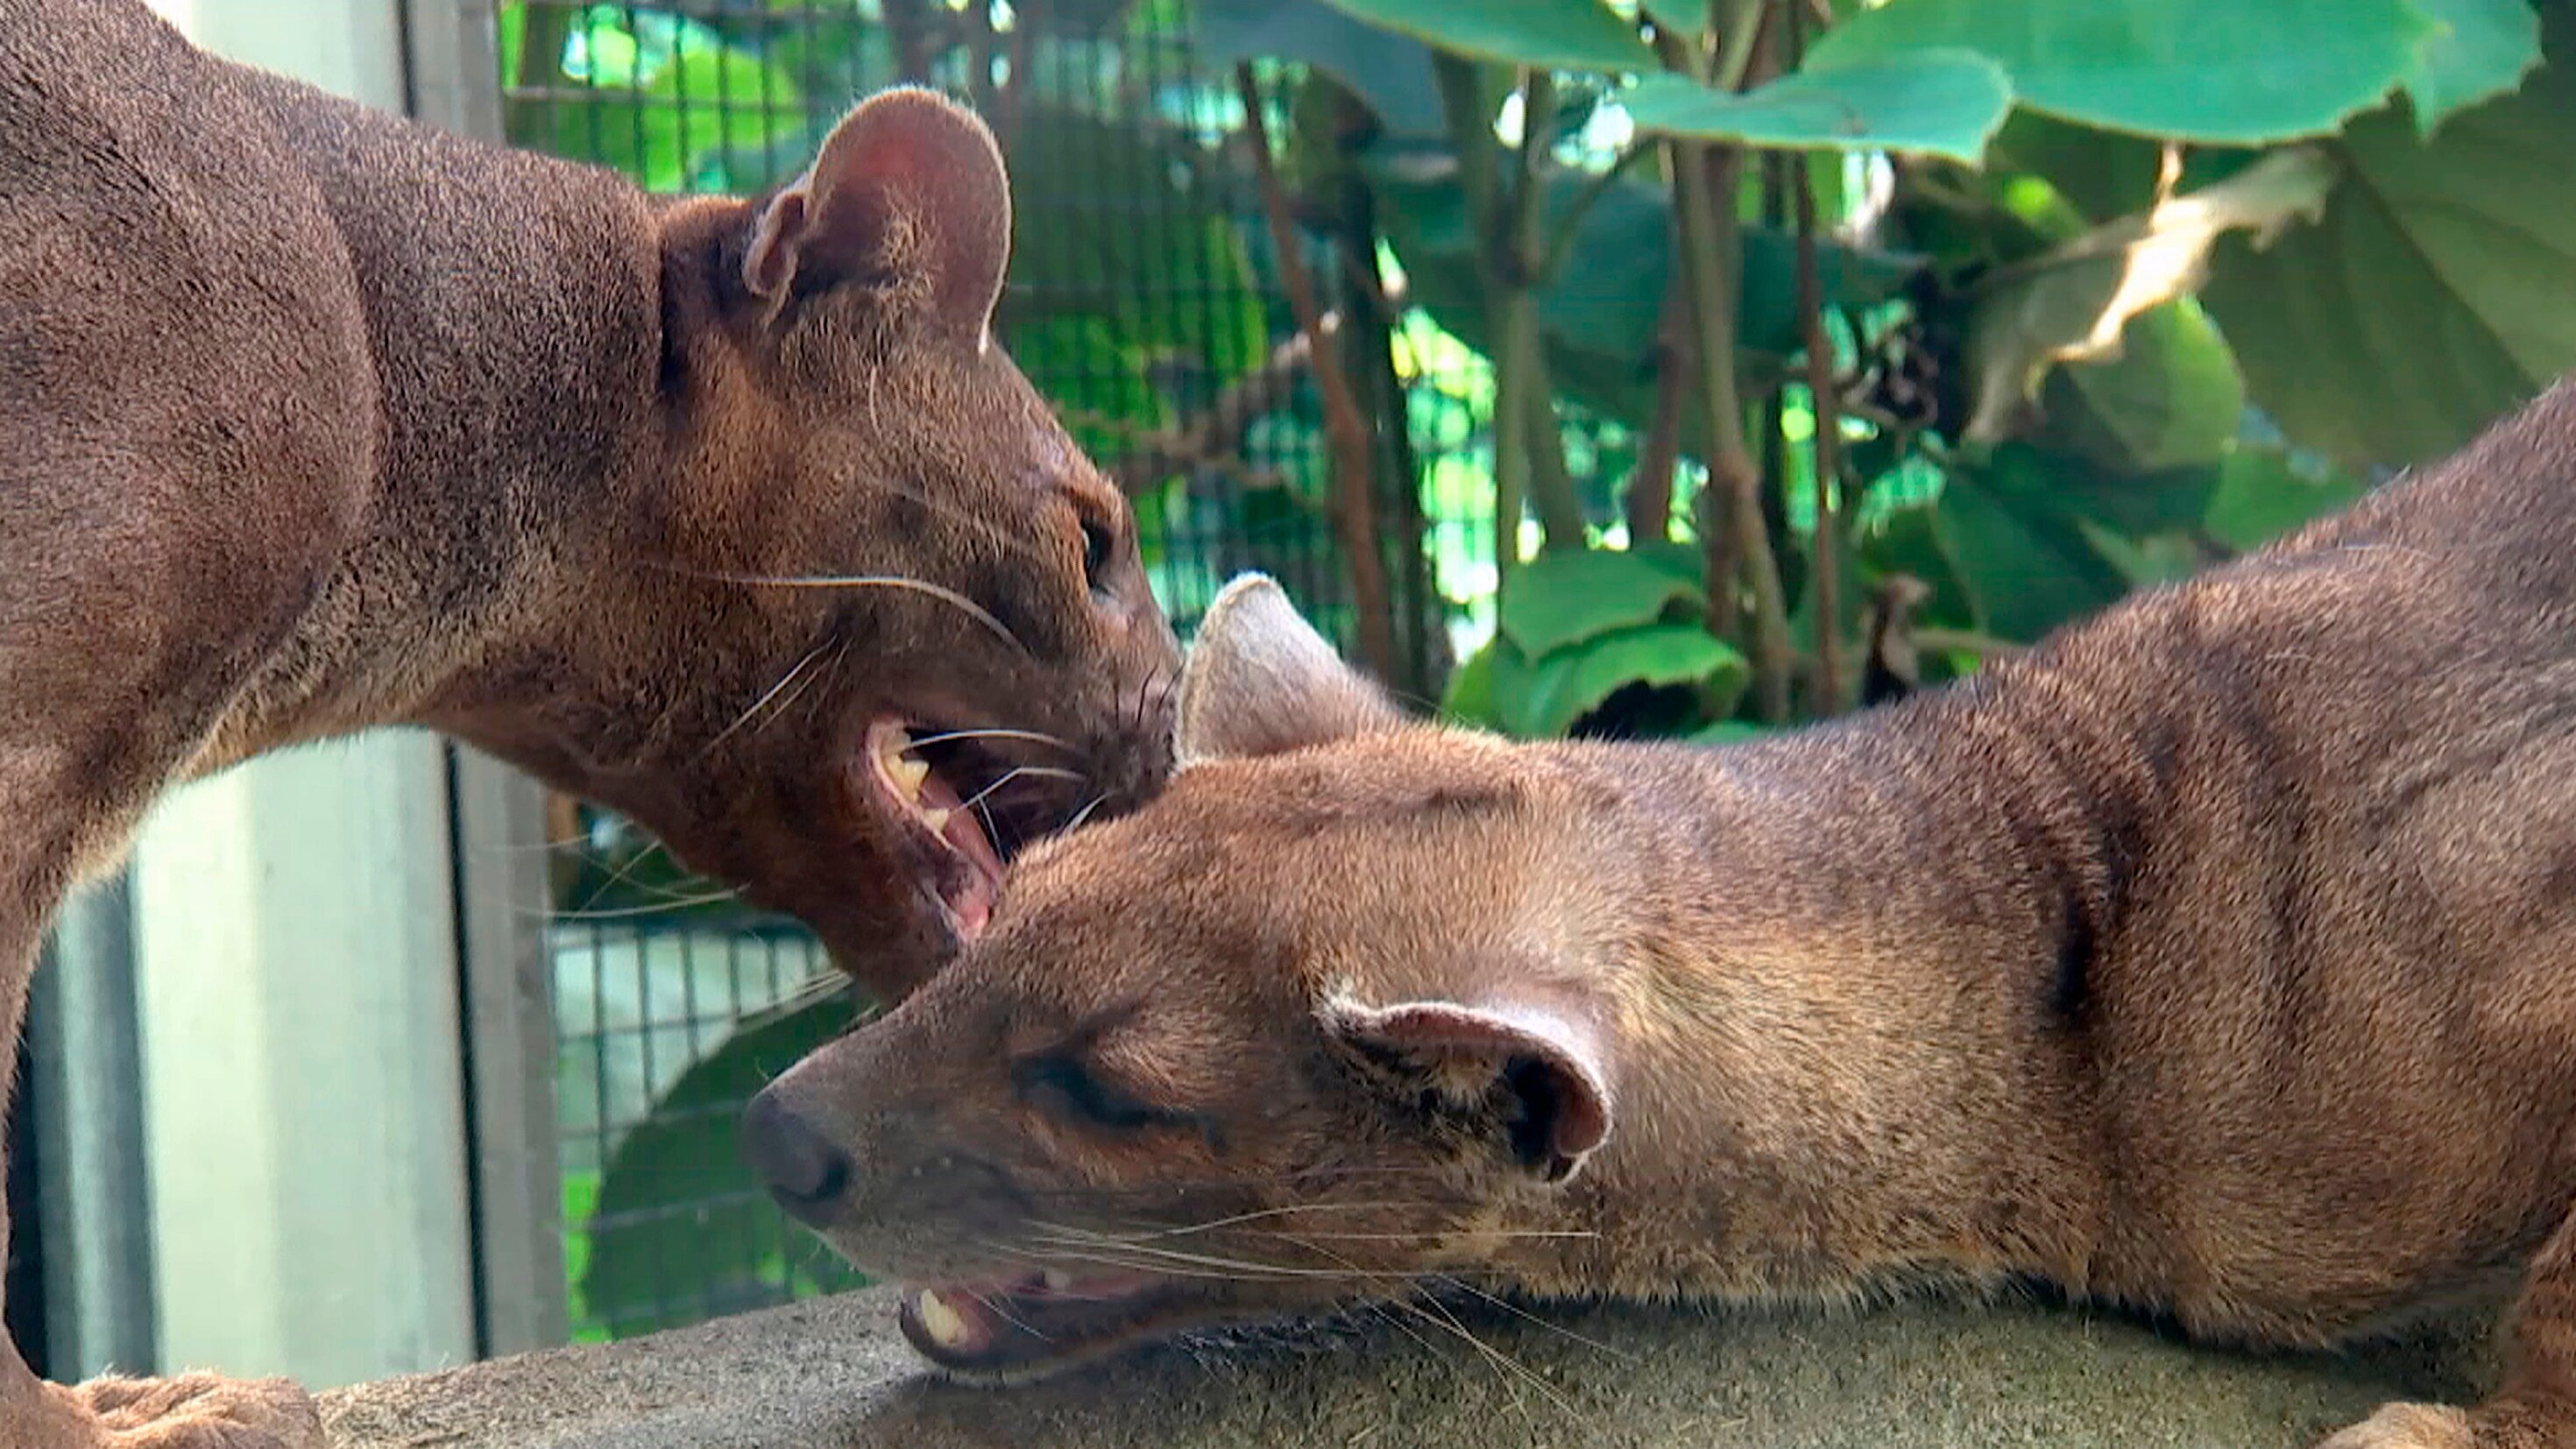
x: 834, y: 1375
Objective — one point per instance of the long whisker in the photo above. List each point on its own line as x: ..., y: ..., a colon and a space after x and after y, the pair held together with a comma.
x: 1083, y: 814
x: 1263, y: 1214
x: 619, y: 876
x: 1503, y: 1363
x: 965, y: 605
x: 751, y: 712
x: 1108, y: 1260
x: 1016, y: 771
x: 1074, y: 1238
x: 1034, y: 736
x: 1004, y: 1314
x: 1500, y: 1359
x: 629, y: 912
x: 1517, y: 1311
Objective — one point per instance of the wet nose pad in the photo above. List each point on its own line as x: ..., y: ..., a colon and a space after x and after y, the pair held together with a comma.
x: 800, y: 1166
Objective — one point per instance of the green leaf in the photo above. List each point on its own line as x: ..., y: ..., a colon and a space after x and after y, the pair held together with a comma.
x: 1599, y: 319
x: 2030, y: 571
x: 2481, y: 50
x: 1947, y: 102
x: 1391, y: 74
x: 2437, y: 292
x: 2264, y: 493
x: 676, y: 1206
x: 1563, y: 687
x: 2073, y: 303
x: 1908, y: 541
x: 2102, y: 174
x: 2041, y: 539
x: 1565, y: 597
x: 2202, y: 70
x: 1729, y: 732
x: 2171, y: 397
x: 1469, y: 699
x: 1573, y: 34
x: 2033, y: 480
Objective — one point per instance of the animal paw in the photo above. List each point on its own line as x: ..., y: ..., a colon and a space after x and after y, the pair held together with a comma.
x: 195, y: 1411
x: 2409, y: 1426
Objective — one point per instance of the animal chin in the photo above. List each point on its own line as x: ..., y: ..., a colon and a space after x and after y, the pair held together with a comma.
x: 1008, y: 1330
x: 938, y: 809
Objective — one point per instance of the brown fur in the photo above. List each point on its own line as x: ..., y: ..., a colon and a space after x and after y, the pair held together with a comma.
x: 2217, y: 957
x: 313, y: 419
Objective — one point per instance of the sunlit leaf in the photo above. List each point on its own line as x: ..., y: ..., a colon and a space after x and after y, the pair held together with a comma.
x: 1947, y: 102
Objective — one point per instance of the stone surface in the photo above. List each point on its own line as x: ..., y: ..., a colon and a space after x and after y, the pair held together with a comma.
x: 835, y: 1375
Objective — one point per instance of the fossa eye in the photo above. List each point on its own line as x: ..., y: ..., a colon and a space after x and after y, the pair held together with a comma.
x: 1066, y: 1085
x: 1097, y: 541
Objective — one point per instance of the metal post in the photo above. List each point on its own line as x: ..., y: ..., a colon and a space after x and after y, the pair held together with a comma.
x: 93, y: 1201
x: 452, y: 62
x: 508, y: 1012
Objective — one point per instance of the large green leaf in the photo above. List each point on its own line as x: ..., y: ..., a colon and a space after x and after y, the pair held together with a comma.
x: 1947, y: 102
x: 2263, y: 493
x: 2207, y: 70
x: 682, y: 1227
x: 2073, y: 304
x: 1564, y: 686
x: 1567, y: 596
x: 2482, y: 50
x: 1573, y: 34
x: 1391, y: 74
x: 2170, y: 397
x: 2438, y: 290
x: 2030, y: 570
x: 2102, y: 174
x: 2041, y: 538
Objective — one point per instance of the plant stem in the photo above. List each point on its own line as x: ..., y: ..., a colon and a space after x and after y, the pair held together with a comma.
x: 1825, y: 563
x: 1736, y: 540
x: 1650, y: 487
x: 1471, y: 135
x: 1354, y: 455
x: 1551, y: 484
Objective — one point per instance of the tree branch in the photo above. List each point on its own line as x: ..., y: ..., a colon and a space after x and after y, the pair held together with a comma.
x: 1354, y: 456
x: 1216, y: 434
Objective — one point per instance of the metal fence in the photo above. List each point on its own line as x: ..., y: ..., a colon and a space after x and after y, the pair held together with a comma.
x: 1144, y: 303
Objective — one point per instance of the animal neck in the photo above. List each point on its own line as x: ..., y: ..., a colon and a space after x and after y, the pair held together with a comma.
x: 514, y: 318
x: 1855, y: 994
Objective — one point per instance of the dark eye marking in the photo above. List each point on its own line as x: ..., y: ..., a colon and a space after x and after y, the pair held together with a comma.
x: 1098, y: 540
x: 1060, y: 1078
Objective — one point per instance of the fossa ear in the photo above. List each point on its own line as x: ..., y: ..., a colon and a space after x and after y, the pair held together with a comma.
x: 1260, y: 681
x: 908, y: 186
x: 1538, y: 1075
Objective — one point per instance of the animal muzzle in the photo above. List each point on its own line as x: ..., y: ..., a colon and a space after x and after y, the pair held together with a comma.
x: 804, y: 1170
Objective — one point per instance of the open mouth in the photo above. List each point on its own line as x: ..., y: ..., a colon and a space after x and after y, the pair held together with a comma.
x: 1034, y: 1324
x: 968, y: 809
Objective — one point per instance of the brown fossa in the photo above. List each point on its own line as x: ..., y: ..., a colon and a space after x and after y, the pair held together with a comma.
x: 2217, y: 957
x: 725, y: 512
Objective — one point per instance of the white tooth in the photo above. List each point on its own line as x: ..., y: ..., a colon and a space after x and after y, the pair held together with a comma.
x: 1057, y: 1280
x: 945, y: 1325
x: 908, y: 775
x: 936, y: 819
